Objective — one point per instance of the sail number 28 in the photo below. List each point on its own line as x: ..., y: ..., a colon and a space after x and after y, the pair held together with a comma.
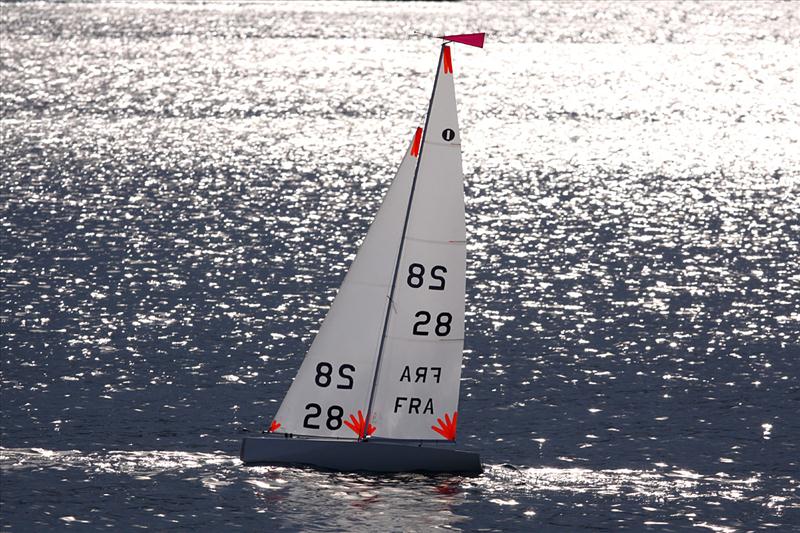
x: 416, y: 273
x: 324, y: 378
x: 415, y: 280
x: 334, y: 421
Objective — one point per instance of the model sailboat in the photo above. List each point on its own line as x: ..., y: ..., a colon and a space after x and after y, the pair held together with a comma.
x: 378, y: 389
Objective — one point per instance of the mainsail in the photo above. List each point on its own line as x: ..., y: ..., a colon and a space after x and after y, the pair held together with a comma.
x: 417, y: 388
x: 335, y: 380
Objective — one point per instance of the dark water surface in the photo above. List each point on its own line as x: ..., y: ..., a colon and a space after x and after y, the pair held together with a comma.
x: 183, y: 186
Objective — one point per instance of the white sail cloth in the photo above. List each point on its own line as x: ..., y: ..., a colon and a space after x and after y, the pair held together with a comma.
x: 335, y: 379
x: 420, y: 369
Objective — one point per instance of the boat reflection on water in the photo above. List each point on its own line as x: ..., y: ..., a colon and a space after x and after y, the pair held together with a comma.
x: 413, y: 501
x: 343, y: 501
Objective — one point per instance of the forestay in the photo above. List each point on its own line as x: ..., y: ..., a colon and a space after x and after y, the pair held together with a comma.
x: 420, y: 364
x: 336, y: 377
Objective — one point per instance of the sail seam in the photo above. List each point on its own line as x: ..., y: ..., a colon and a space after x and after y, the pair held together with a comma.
x: 423, y: 340
x: 439, y: 143
x: 432, y: 241
x: 369, y: 284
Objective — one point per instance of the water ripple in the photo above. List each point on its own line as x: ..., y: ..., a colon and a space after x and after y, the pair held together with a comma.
x: 183, y: 186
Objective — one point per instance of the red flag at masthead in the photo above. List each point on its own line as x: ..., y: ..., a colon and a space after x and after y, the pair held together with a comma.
x: 471, y: 39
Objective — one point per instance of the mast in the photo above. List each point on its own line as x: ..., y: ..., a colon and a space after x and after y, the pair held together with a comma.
x: 400, y: 250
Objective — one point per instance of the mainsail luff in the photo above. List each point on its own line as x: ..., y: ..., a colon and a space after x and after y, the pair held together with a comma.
x: 400, y: 248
